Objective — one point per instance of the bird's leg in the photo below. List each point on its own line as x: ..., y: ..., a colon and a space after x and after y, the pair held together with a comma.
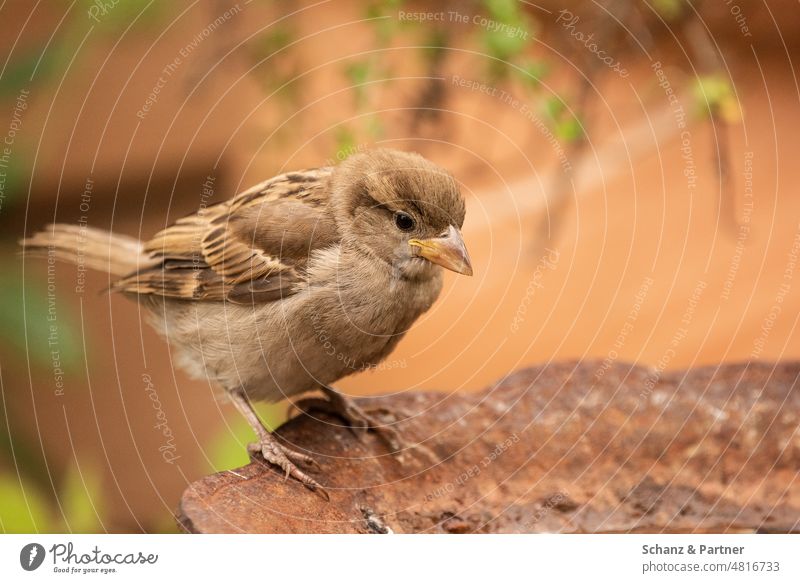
x: 272, y: 451
x: 356, y: 417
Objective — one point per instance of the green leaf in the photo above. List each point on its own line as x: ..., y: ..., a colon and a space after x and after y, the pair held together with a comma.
x: 42, y: 313
x: 505, y: 36
x: 532, y: 72
x: 375, y: 127
x: 435, y: 42
x: 382, y: 8
x: 18, y: 73
x: 273, y: 42
x: 345, y: 143
x: 228, y: 450
x: 22, y: 508
x: 669, y: 9
x: 565, y: 124
x: 81, y: 499
x: 714, y: 95
x: 553, y: 108
x: 503, y: 10
x: 569, y: 129
x: 164, y: 524
x: 502, y: 45
x: 357, y: 74
x: 119, y: 15
x: 281, y: 68
x: 15, y: 178
x: 24, y: 451
x: 383, y: 18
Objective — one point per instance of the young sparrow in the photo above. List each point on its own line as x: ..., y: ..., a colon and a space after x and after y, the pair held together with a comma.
x: 293, y: 284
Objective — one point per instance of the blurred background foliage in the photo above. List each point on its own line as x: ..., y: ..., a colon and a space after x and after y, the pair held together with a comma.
x: 71, y: 496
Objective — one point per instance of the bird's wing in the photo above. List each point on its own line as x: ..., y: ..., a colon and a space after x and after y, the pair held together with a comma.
x: 252, y: 248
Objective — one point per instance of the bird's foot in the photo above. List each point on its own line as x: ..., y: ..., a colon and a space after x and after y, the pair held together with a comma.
x: 360, y: 420
x: 285, y: 458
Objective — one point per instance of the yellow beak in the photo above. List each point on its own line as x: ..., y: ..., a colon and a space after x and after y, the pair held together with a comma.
x: 448, y: 251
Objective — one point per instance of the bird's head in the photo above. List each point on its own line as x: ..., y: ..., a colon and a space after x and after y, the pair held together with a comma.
x: 403, y: 209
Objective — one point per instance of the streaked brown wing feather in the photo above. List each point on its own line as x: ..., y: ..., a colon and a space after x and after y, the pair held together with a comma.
x: 252, y: 248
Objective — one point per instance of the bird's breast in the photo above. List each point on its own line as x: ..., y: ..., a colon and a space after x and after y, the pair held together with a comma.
x: 358, y: 313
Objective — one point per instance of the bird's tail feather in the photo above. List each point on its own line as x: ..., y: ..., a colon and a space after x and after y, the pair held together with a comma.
x: 87, y: 246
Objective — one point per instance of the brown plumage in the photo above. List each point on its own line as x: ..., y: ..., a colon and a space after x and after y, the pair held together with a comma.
x: 294, y: 283
x: 249, y: 248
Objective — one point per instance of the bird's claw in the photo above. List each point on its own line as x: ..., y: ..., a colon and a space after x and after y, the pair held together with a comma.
x: 285, y: 458
x: 360, y: 421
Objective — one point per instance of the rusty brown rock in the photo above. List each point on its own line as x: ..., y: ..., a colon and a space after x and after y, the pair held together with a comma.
x: 569, y: 447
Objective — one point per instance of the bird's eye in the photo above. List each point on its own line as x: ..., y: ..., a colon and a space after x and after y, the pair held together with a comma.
x: 404, y: 221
